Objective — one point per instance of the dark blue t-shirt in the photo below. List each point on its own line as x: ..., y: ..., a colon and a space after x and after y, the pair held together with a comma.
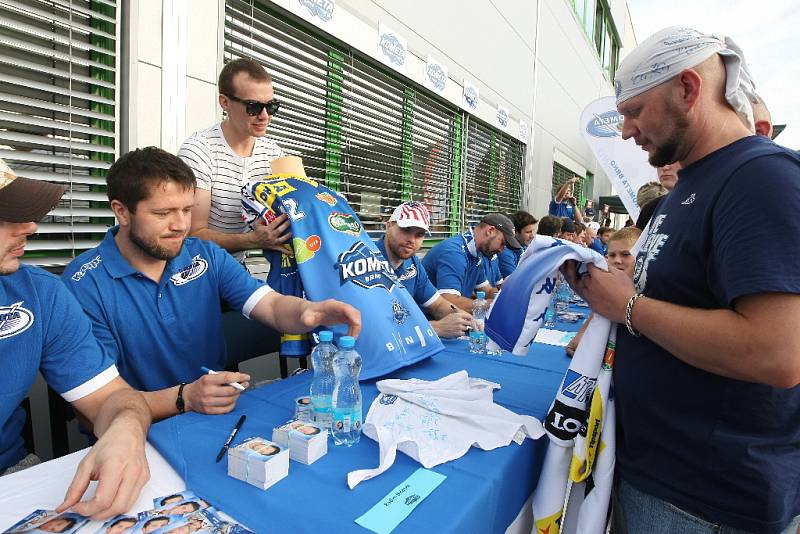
x: 724, y: 449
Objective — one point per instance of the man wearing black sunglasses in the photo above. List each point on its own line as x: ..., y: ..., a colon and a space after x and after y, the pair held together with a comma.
x: 230, y: 154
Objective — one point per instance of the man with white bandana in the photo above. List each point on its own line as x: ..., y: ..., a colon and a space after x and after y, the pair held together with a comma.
x: 708, y: 351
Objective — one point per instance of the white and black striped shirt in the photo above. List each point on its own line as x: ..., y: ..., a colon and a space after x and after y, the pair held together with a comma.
x: 220, y: 170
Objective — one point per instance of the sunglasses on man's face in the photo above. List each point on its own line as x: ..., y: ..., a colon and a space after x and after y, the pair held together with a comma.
x: 254, y: 107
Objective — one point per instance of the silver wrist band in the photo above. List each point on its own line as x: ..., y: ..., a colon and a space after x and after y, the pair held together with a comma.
x: 629, y: 313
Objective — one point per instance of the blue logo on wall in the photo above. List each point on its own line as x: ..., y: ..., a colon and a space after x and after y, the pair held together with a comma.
x: 471, y: 97
x: 608, y: 124
x: 322, y: 9
x: 436, y: 76
x: 365, y: 268
x: 393, y: 49
x: 502, y: 117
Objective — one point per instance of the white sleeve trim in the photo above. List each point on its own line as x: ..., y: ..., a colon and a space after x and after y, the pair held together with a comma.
x: 450, y: 292
x: 484, y: 283
x: 255, y: 298
x: 428, y: 303
x: 91, y: 385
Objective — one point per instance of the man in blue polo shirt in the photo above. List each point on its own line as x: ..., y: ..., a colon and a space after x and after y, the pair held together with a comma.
x: 563, y: 204
x: 153, y: 295
x: 455, y: 266
x: 42, y: 328
x: 524, y: 230
x: 404, y: 234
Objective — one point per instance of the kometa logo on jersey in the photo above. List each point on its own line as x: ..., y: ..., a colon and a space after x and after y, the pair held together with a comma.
x: 577, y: 386
x: 364, y: 268
x: 14, y: 319
x: 192, y: 272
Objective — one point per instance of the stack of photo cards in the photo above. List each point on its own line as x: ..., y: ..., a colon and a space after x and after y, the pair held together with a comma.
x: 259, y: 462
x: 307, y: 442
x: 177, y: 513
x: 49, y: 521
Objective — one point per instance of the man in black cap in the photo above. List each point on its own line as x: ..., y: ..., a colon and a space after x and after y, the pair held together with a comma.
x: 455, y: 266
x: 42, y: 328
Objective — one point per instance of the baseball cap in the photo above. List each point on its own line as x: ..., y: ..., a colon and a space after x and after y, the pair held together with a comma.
x: 411, y: 214
x: 25, y: 200
x: 504, y: 224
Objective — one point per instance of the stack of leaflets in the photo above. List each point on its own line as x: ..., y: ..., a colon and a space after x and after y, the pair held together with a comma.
x: 307, y: 442
x: 259, y: 462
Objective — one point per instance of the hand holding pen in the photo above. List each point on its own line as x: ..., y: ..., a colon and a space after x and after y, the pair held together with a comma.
x: 213, y: 393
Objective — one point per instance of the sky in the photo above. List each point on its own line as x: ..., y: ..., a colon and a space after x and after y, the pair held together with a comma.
x: 766, y: 30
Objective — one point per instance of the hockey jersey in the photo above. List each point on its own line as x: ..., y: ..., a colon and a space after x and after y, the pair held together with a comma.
x: 334, y: 258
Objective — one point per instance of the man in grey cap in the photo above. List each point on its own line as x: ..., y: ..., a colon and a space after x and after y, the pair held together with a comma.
x: 42, y: 328
x: 708, y: 350
x: 455, y: 266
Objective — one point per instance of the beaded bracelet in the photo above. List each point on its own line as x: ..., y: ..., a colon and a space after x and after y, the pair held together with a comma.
x: 629, y: 313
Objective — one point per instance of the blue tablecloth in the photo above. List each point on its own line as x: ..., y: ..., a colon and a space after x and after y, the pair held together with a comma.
x: 483, y: 492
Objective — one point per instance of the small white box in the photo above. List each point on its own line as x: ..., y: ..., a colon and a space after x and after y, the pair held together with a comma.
x: 307, y: 442
x: 259, y: 462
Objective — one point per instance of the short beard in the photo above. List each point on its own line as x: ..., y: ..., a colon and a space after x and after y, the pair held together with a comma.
x: 150, y: 247
x: 669, y: 152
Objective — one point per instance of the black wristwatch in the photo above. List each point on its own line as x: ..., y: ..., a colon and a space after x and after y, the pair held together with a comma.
x: 179, y: 402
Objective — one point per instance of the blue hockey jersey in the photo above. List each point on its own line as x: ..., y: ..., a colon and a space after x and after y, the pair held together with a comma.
x: 335, y: 258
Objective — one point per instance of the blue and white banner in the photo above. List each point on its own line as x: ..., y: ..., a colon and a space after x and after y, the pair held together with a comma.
x: 623, y: 161
x: 471, y: 96
x: 392, y: 48
x: 435, y: 75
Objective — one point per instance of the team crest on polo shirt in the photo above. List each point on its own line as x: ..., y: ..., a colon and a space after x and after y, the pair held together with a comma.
x: 198, y: 268
x: 14, y: 319
x: 410, y: 273
x: 399, y: 312
x: 365, y: 268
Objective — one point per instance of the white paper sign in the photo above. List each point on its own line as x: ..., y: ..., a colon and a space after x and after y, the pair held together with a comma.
x: 502, y: 117
x: 435, y: 75
x: 471, y: 96
x: 392, y: 48
x: 523, y: 131
x: 320, y: 12
x: 623, y: 161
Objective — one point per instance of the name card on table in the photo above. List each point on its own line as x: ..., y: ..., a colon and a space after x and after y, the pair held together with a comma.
x: 401, y: 501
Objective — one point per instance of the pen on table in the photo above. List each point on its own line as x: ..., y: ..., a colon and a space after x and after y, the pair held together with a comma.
x: 230, y: 437
x: 236, y: 385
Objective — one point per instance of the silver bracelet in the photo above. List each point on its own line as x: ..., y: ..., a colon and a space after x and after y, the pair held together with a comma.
x: 629, y: 313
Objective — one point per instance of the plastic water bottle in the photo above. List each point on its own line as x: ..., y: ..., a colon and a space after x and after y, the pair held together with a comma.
x: 477, y: 342
x: 550, y: 313
x: 324, y: 379
x: 346, y: 423
x: 480, y: 308
x: 562, y: 296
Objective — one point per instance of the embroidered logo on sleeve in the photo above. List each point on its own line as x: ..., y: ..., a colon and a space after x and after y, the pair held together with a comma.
x: 14, y: 319
x: 195, y: 270
x: 85, y: 268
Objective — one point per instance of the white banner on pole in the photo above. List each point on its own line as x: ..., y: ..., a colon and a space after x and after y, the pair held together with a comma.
x: 624, y: 162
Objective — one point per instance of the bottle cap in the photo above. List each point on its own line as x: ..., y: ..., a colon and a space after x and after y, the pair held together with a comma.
x: 481, y: 294
x: 325, y: 335
x: 347, y: 342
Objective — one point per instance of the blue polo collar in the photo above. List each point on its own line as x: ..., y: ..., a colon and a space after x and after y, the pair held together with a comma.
x: 118, y: 267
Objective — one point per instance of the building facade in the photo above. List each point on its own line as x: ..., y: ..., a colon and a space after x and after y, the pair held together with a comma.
x: 468, y: 107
